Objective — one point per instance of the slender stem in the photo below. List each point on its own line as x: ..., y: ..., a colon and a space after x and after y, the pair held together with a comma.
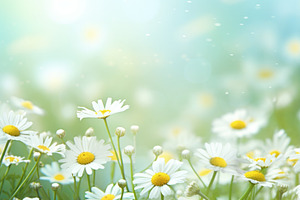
x: 131, y: 170
x: 211, y: 181
x: 25, y: 168
x: 112, y: 143
x: 89, y: 181
x: 245, y: 195
x: 297, y: 179
x: 230, y: 187
x: 37, y: 193
x: 120, y: 154
x: 4, y: 176
x: 27, y: 177
x: 37, y: 171
x: 54, y: 196
x: 4, y: 151
x: 196, y: 173
x: 162, y: 196
x: 75, y: 188
x: 203, y: 195
x: 78, y: 186
x: 256, y: 193
x: 112, y: 172
x: 94, y: 178
x: 122, y: 193
x: 149, y: 165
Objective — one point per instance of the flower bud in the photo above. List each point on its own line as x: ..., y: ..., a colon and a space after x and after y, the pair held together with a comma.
x: 122, y: 183
x: 89, y: 132
x: 134, y: 129
x: 120, y: 131
x: 157, y: 150
x: 36, y: 155
x: 129, y: 150
x: 54, y: 186
x: 60, y: 133
x: 192, y: 189
x: 41, y: 164
x: 35, y: 185
x: 186, y: 154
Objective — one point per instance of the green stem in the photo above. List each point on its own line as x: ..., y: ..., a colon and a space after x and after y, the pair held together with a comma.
x: 162, y: 196
x: 112, y: 172
x: 94, y: 178
x: 27, y: 177
x: 196, y: 173
x: 25, y: 168
x: 211, y: 182
x: 112, y: 143
x: 4, y: 151
x: 54, y: 196
x: 75, y: 188
x: 131, y: 170
x: 37, y: 193
x: 122, y: 193
x: 297, y: 179
x: 120, y: 154
x: 245, y: 195
x: 78, y: 186
x: 256, y: 193
x: 4, y: 176
x: 89, y: 181
x: 149, y: 165
x: 230, y: 187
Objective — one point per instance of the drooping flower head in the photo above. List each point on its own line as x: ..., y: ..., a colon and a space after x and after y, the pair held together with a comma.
x: 100, y: 111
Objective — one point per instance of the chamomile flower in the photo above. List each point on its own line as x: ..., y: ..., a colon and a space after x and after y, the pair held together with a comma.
x: 44, y: 145
x: 159, y: 179
x: 26, y: 105
x: 100, y: 111
x: 55, y: 174
x: 256, y: 177
x: 237, y: 124
x: 279, y: 145
x: 259, y: 162
x: 111, y: 193
x: 14, y: 127
x: 218, y: 157
x: 86, y: 154
x: 13, y: 160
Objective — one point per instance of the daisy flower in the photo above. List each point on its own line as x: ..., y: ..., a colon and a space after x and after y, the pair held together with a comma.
x: 55, y: 174
x: 86, y: 154
x: 279, y: 145
x: 159, y: 179
x: 237, y: 124
x: 257, y: 177
x: 14, y: 127
x: 100, y: 111
x: 111, y: 193
x: 259, y: 162
x: 218, y: 157
x: 26, y: 105
x: 44, y: 145
x: 15, y: 160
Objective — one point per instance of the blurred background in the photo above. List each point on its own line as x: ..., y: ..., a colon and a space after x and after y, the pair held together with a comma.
x: 178, y: 64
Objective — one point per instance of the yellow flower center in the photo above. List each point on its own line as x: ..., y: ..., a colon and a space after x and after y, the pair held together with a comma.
x: 27, y: 104
x: 113, y: 157
x: 104, y: 111
x: 43, y: 147
x: 294, y: 47
x: 108, y: 197
x: 59, y: 177
x: 85, y: 158
x: 238, y: 124
x: 167, y: 156
x: 255, y: 175
x: 160, y: 179
x: 217, y: 161
x: 277, y: 153
x: 11, y: 159
x: 11, y: 130
x: 265, y: 74
x: 257, y: 159
x: 204, y: 172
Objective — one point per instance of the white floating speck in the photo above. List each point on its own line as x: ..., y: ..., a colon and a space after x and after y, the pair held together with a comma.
x: 245, y: 17
x: 217, y: 24
x: 208, y: 39
x: 241, y: 24
x: 231, y: 54
x: 226, y: 92
x: 184, y: 36
x: 186, y: 11
x: 189, y: 1
x: 147, y: 34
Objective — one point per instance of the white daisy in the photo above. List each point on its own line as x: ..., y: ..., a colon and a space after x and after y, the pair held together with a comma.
x: 86, y: 154
x: 14, y: 127
x: 55, y: 174
x: 159, y: 179
x: 237, y: 124
x: 100, y: 111
x: 259, y: 162
x: 218, y: 157
x: 26, y: 105
x: 44, y: 145
x: 15, y: 160
x: 279, y: 145
x: 111, y: 193
x: 257, y: 177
